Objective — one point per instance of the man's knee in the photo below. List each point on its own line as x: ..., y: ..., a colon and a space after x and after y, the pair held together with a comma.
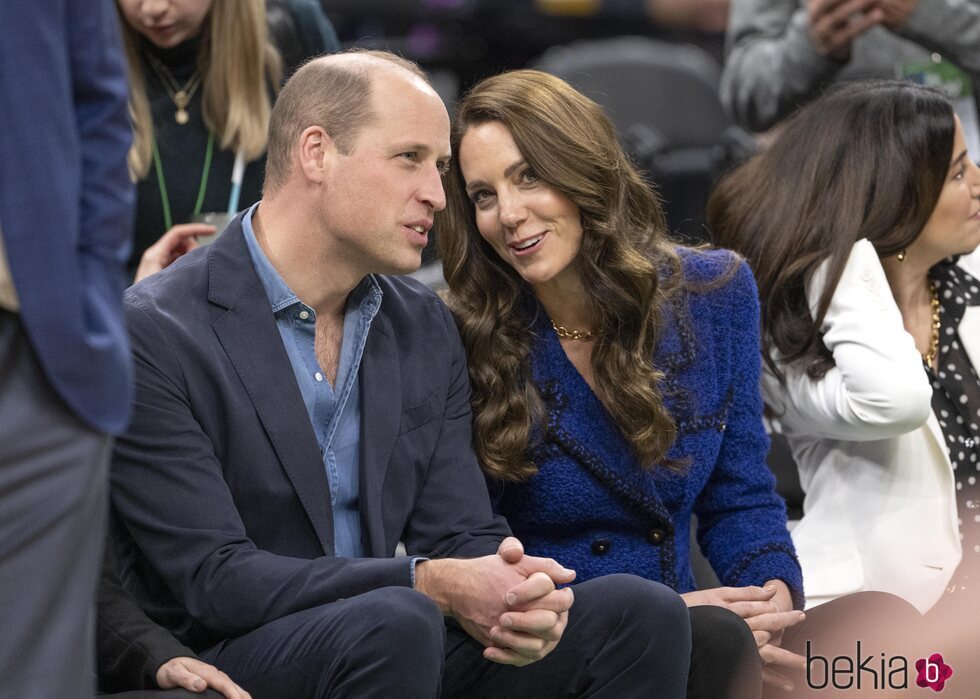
x: 409, y: 617
x: 643, y: 599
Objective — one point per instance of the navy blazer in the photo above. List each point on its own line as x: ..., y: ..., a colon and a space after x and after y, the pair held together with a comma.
x: 220, y: 481
x: 66, y: 201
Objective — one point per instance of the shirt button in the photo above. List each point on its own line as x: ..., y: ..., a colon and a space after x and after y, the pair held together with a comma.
x: 600, y: 547
x: 318, y: 376
x: 304, y: 315
x: 656, y: 536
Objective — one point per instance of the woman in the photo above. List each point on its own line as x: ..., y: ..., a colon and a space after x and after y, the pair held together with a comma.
x: 203, y: 74
x: 614, y: 376
x: 852, y: 221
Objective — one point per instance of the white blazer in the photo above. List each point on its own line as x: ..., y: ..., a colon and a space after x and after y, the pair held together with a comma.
x: 880, y: 505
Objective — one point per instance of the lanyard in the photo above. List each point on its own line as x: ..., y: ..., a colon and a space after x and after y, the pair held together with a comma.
x: 168, y: 221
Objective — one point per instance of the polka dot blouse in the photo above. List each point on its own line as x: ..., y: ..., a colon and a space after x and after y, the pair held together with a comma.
x: 956, y: 404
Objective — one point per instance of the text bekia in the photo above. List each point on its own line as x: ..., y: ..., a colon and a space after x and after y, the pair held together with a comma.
x: 860, y: 672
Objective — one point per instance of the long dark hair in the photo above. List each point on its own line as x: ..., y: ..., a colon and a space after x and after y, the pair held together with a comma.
x: 627, y: 266
x: 866, y: 160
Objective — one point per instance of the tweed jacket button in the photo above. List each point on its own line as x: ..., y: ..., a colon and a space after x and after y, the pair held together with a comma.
x: 600, y: 547
x: 656, y: 536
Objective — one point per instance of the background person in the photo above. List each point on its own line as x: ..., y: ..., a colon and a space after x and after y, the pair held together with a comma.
x: 872, y: 342
x: 634, y: 366
x: 65, y: 375
x: 203, y: 77
x: 783, y: 53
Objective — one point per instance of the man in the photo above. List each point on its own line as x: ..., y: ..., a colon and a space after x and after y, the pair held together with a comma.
x: 65, y: 379
x: 298, y: 414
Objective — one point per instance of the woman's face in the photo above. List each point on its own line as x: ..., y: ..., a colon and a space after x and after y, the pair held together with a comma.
x: 166, y: 23
x: 954, y: 226
x: 535, y: 228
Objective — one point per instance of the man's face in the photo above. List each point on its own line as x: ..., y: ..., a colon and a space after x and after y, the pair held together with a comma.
x: 380, y: 198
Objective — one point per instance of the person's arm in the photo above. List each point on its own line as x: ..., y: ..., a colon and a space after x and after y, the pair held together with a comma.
x: 878, y: 388
x: 100, y: 89
x: 171, y: 492
x: 949, y: 27
x: 772, y: 64
x: 135, y: 653
x: 741, y: 519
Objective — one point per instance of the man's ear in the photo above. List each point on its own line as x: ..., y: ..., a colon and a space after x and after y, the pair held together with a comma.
x: 316, y: 153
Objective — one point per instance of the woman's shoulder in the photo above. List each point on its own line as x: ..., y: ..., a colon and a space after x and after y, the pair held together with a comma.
x: 710, y: 271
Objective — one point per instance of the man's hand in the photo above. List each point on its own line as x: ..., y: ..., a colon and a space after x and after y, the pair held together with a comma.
x: 508, y: 601
x: 178, y: 241
x: 195, y: 676
x: 834, y: 24
x: 768, y: 611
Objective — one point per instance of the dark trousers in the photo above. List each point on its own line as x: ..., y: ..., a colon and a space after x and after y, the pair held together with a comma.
x: 53, y: 489
x: 725, y: 662
x: 626, y: 637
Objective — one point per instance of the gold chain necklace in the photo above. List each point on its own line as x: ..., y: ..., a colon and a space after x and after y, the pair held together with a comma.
x: 930, y: 356
x: 180, y: 95
x: 565, y: 333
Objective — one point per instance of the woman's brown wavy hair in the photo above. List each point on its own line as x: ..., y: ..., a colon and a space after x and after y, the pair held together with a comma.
x: 866, y: 160
x: 627, y: 265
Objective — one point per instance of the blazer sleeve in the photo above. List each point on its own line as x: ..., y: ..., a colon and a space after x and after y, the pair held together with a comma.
x: 878, y: 388
x: 741, y: 518
x: 469, y: 528
x: 771, y: 65
x: 170, y: 489
x: 130, y: 647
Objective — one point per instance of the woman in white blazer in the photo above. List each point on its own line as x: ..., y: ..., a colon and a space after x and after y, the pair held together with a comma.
x: 852, y: 221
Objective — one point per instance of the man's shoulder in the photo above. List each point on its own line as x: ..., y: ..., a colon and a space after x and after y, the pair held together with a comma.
x: 407, y: 299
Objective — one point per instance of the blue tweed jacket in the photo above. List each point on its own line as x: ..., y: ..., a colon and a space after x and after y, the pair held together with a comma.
x: 594, y: 509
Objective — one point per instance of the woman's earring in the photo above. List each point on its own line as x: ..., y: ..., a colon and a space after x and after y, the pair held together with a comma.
x: 901, y: 255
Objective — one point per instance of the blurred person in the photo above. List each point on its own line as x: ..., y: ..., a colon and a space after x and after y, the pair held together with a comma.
x: 66, y: 206
x: 203, y: 77
x: 853, y: 220
x: 781, y: 54
x: 614, y: 374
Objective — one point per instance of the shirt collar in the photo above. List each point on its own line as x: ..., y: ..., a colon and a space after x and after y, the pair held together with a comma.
x: 280, y: 295
x: 366, y: 295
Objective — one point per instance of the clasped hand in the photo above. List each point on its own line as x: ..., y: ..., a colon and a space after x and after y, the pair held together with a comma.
x: 768, y: 611
x: 509, y: 602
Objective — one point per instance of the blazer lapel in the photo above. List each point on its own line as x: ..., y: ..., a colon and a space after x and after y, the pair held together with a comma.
x: 581, y: 426
x: 248, y: 333
x: 381, y: 403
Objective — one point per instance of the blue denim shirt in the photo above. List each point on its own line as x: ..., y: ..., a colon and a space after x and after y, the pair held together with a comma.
x: 335, y: 411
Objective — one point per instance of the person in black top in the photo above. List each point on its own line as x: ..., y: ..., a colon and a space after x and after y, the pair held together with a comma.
x: 203, y: 75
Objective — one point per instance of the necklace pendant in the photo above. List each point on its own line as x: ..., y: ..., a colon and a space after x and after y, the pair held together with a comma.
x: 181, y: 116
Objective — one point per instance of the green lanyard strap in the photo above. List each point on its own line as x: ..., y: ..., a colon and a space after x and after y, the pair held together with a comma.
x: 168, y: 220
